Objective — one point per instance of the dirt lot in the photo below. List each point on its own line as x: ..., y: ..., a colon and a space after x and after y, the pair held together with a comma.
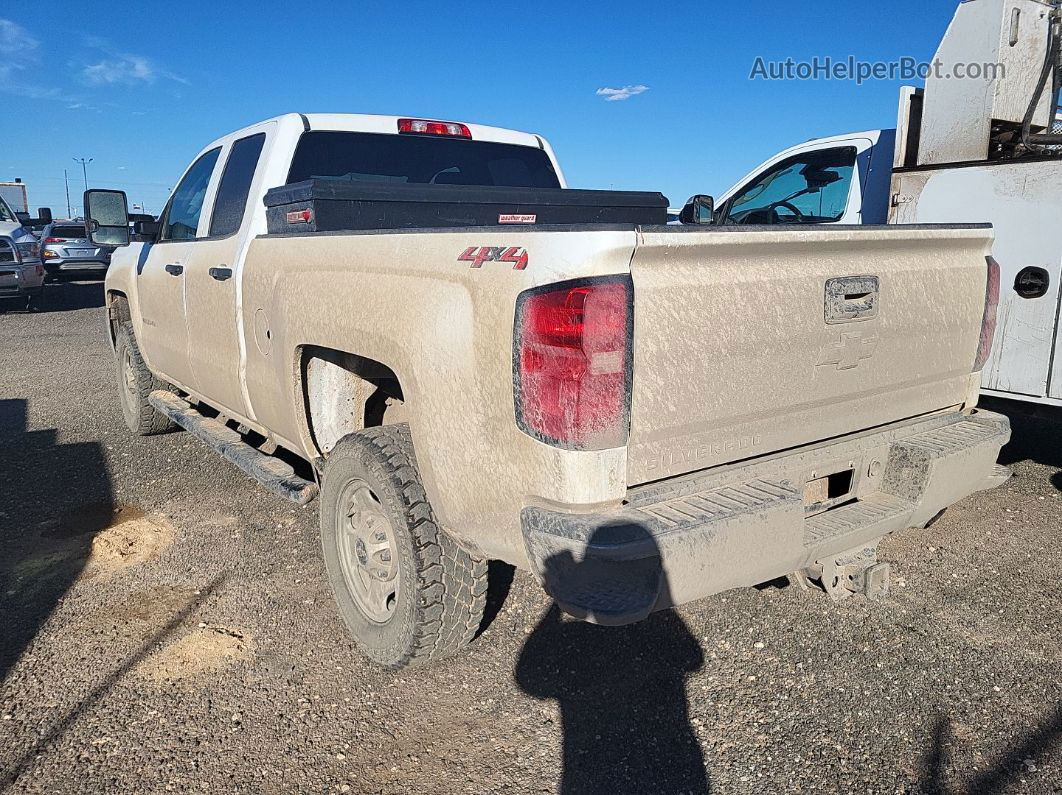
x: 165, y: 626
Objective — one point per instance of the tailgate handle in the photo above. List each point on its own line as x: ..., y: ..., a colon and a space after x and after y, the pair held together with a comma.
x: 851, y: 298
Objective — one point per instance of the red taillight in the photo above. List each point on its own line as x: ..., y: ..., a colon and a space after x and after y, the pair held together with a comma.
x: 426, y: 127
x: 988, y: 320
x: 572, y: 360
x: 55, y: 240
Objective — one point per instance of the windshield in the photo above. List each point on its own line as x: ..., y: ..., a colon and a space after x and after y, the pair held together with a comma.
x: 6, y: 213
x: 374, y: 157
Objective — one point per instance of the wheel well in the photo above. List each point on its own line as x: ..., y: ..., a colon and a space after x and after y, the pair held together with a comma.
x: 117, y: 312
x: 344, y: 393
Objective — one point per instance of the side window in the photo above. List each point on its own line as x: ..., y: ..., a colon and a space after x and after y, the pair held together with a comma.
x: 182, y: 218
x: 231, y: 201
x: 809, y: 188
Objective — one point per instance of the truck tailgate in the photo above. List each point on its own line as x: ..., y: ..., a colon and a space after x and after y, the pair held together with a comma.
x: 750, y: 340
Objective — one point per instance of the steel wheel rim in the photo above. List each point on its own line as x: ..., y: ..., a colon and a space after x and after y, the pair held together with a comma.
x: 365, y: 541
x: 129, y: 386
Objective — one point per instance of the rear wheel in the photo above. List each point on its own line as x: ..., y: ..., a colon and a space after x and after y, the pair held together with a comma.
x: 135, y: 383
x: 406, y: 591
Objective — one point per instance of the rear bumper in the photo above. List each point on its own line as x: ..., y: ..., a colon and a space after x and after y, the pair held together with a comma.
x: 688, y: 537
x: 57, y: 265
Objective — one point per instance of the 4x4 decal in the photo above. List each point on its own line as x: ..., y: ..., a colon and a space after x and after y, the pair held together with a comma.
x: 477, y: 255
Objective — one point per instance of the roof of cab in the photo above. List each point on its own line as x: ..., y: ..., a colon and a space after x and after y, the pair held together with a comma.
x: 359, y: 122
x: 363, y: 122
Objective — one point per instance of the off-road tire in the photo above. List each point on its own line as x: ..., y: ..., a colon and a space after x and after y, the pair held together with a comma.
x: 442, y: 588
x: 135, y: 383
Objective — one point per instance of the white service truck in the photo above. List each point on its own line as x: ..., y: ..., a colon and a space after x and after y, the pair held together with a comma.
x: 964, y: 150
x: 14, y: 194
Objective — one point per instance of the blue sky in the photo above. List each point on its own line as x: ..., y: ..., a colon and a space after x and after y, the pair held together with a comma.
x: 141, y: 87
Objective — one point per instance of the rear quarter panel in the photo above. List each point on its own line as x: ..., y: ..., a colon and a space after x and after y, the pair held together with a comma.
x: 446, y: 330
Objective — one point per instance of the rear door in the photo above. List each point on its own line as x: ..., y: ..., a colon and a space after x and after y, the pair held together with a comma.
x: 212, y: 275
x: 749, y: 341
x: 161, y: 275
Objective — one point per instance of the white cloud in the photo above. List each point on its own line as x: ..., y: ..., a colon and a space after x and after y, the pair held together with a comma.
x: 17, y: 48
x: 18, y: 52
x: 15, y: 40
x: 620, y: 94
x: 127, y: 70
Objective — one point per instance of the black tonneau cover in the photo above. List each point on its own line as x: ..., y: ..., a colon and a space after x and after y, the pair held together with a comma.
x: 332, y: 205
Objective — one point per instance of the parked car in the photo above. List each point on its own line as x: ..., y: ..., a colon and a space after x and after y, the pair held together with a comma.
x: 482, y: 364
x: 21, y: 272
x: 66, y: 249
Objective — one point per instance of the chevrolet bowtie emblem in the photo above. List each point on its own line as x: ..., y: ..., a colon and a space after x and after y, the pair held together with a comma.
x: 848, y: 352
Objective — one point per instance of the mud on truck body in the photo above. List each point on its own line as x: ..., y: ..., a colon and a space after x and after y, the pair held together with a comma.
x: 478, y: 363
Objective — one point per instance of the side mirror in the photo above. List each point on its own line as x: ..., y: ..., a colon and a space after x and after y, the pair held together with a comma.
x: 107, y: 217
x: 700, y: 209
x: 144, y: 231
x: 45, y: 215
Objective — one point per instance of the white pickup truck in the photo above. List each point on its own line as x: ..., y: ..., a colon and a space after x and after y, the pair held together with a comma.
x: 477, y: 363
x: 21, y: 270
x: 964, y: 151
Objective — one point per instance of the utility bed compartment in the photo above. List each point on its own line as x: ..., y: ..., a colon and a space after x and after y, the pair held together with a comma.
x: 334, y: 205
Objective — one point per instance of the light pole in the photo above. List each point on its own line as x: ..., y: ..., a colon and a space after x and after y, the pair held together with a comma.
x: 66, y: 180
x: 84, y: 172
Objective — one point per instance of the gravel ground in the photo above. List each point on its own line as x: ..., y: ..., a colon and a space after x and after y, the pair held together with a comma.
x: 165, y: 626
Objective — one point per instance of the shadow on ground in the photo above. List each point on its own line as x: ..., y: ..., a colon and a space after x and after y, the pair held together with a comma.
x: 621, y: 690
x: 1037, y: 434
x: 64, y: 296
x: 1020, y: 758
x: 56, y: 497
x: 60, y: 296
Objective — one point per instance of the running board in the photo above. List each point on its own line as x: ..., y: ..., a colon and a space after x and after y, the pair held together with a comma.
x: 276, y: 475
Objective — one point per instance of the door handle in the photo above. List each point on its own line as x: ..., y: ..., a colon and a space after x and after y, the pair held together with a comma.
x: 174, y: 269
x: 221, y: 274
